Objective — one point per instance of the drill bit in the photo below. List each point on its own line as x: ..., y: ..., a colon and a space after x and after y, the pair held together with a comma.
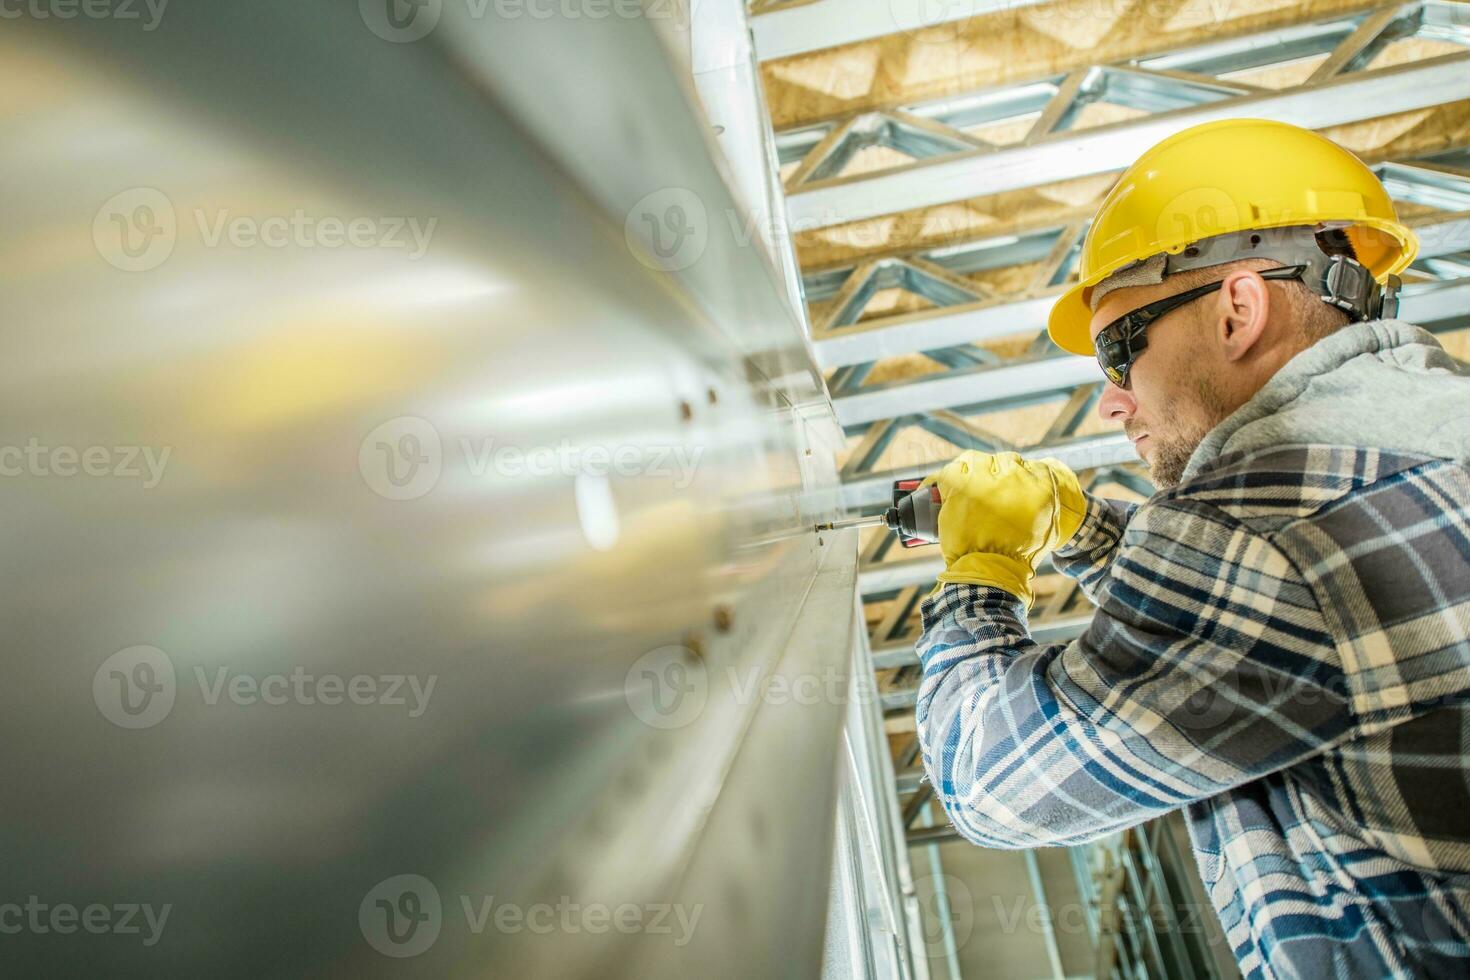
x: 872, y: 521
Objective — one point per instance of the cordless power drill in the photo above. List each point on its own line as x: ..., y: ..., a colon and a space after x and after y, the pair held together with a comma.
x: 914, y: 516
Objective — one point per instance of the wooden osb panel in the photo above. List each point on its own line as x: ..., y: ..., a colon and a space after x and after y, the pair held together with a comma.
x: 904, y: 367
x: 1011, y: 46
x: 1407, y: 134
x: 1458, y: 344
x: 1411, y: 49
x: 1006, y: 132
x: 1096, y: 114
x: 872, y: 159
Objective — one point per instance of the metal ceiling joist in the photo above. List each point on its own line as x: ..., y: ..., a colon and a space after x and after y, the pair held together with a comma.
x: 1358, y: 48
x: 1289, y: 43
x: 914, y: 136
x: 1063, y: 156
x: 928, y: 132
x: 932, y: 329
x: 1438, y: 304
x: 960, y: 256
x: 873, y: 339
x: 1434, y: 181
x: 798, y: 29
x: 892, y: 575
x: 926, y: 279
x: 981, y: 385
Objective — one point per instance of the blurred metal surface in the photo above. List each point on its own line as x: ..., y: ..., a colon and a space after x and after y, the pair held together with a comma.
x: 380, y: 324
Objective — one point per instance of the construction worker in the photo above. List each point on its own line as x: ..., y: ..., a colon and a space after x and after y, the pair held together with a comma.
x: 1281, y: 645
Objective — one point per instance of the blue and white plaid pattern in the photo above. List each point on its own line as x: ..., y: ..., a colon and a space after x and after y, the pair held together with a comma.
x: 1281, y: 646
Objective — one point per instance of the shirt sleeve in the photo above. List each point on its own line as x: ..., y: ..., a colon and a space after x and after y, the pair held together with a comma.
x: 1089, y: 555
x: 1208, y: 665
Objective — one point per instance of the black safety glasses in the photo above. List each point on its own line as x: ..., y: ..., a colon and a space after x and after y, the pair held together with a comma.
x: 1121, y: 342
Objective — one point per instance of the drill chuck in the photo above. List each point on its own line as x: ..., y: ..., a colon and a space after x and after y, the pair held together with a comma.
x: 914, y: 516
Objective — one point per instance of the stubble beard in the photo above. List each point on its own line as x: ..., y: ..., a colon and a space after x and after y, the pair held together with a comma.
x: 1205, y: 409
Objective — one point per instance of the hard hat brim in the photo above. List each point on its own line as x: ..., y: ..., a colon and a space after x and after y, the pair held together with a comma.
x: 1070, y: 320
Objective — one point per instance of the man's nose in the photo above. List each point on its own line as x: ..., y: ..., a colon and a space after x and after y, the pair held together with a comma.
x: 1116, y: 404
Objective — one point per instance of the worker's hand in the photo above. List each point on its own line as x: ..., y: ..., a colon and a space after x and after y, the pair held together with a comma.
x: 1001, y: 514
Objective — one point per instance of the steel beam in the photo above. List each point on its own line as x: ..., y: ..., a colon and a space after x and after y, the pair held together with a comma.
x: 961, y: 176
x: 1358, y: 48
x: 1423, y: 303
x: 930, y: 330
x: 933, y: 835
x: 874, y: 339
x: 832, y: 23
x: 1437, y: 306
x: 962, y: 257
x: 896, y: 574
x: 983, y: 384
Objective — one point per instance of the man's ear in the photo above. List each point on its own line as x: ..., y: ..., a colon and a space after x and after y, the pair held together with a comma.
x: 1242, y: 309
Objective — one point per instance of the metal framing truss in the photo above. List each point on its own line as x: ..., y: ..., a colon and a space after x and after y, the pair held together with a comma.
x: 1174, y: 90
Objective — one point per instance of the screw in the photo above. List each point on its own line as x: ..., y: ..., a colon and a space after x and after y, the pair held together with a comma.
x: 723, y: 618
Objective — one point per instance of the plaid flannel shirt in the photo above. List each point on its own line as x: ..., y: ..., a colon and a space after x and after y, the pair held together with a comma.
x: 1282, y: 647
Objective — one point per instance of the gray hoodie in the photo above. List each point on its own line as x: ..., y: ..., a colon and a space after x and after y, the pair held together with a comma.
x: 1384, y: 384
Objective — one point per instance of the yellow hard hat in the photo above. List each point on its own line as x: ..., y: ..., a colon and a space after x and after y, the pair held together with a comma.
x: 1228, y: 176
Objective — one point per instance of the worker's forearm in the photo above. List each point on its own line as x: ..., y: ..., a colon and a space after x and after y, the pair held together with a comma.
x: 1089, y: 555
x: 982, y: 709
x: 1159, y: 704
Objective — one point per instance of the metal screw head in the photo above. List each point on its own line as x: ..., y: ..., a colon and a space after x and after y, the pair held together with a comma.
x: 723, y: 618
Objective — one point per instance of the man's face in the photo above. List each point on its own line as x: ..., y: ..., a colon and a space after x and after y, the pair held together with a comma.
x: 1173, y: 401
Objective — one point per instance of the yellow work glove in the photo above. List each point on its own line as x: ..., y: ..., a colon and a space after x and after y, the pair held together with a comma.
x: 1001, y: 514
